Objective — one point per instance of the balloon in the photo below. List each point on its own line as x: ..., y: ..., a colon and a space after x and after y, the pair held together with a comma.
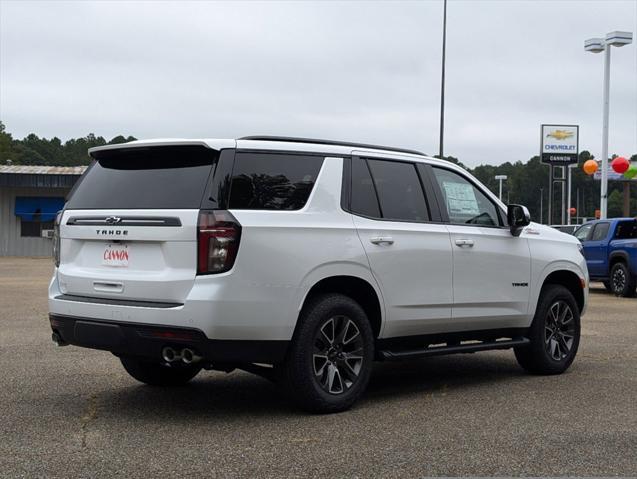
x: 590, y: 167
x: 572, y: 211
x: 631, y: 172
x: 620, y: 164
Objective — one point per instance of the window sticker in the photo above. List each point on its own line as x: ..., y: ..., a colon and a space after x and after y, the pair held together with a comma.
x: 461, y: 199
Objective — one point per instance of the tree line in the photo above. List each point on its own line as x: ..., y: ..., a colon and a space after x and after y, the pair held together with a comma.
x: 527, y: 182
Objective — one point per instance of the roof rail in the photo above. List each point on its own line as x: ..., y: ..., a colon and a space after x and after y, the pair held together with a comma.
x: 290, y: 139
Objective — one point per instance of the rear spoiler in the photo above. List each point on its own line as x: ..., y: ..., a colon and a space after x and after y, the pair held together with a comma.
x: 212, y: 144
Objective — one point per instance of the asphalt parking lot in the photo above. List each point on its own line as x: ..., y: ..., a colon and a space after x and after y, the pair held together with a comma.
x: 72, y: 412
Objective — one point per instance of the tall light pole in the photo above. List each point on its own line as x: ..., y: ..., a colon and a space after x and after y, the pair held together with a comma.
x: 501, y: 178
x: 598, y: 45
x: 442, y: 80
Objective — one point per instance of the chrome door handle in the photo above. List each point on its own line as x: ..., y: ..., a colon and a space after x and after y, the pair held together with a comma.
x: 382, y: 240
x: 464, y: 242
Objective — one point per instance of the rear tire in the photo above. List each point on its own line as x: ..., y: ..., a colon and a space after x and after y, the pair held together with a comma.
x: 622, y: 283
x: 157, y: 374
x: 329, y: 362
x: 554, y: 333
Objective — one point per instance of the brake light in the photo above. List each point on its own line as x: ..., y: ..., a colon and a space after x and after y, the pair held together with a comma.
x: 56, y: 239
x: 218, y: 235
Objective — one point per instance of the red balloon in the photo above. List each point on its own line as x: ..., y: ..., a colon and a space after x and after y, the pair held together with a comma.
x: 572, y: 211
x: 620, y: 165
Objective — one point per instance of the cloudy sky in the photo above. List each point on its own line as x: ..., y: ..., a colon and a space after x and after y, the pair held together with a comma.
x: 358, y: 71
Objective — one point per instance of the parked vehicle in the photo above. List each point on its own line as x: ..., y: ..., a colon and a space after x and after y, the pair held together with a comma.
x: 304, y: 261
x: 568, y: 229
x: 610, y: 247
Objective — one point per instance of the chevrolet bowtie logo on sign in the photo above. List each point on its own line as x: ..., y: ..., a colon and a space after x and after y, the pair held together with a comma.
x: 561, y: 134
x: 559, y: 144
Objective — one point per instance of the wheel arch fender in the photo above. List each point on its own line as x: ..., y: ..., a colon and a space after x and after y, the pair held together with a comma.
x: 357, y: 282
x: 617, y: 255
x: 567, y: 274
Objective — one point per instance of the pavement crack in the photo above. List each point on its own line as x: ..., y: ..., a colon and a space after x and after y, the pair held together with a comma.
x: 89, y: 415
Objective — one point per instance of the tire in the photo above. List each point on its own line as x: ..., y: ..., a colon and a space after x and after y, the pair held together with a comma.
x: 157, y: 374
x: 607, y: 286
x: 557, y: 316
x: 329, y: 362
x: 622, y: 283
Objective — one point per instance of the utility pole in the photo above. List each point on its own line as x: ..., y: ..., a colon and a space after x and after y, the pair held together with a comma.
x: 442, y: 80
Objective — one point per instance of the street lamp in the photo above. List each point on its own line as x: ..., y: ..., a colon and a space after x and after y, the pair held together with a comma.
x: 598, y: 45
x: 501, y: 178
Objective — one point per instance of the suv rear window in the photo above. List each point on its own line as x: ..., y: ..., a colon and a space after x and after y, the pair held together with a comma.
x: 265, y: 181
x: 160, y: 177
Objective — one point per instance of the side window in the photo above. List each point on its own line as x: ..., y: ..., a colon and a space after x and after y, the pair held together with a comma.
x: 265, y: 181
x: 600, y: 231
x: 626, y: 230
x: 582, y: 232
x: 465, y: 203
x: 399, y: 190
x: 364, y: 201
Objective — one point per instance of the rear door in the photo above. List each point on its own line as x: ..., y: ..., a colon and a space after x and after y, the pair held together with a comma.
x: 491, y: 267
x: 409, y: 254
x: 129, y: 229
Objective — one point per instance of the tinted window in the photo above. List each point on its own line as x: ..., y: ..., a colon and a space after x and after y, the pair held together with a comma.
x: 465, y: 203
x: 399, y: 190
x: 582, y: 233
x: 155, y: 177
x: 272, y: 181
x: 600, y: 231
x: 364, y: 201
x: 626, y: 230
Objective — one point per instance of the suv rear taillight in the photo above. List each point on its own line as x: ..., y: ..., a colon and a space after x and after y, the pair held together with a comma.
x: 56, y: 239
x: 218, y: 234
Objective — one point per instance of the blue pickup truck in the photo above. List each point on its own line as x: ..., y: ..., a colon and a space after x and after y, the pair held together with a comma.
x: 610, y: 248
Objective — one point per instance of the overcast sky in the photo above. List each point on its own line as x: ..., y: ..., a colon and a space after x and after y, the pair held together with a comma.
x: 358, y: 71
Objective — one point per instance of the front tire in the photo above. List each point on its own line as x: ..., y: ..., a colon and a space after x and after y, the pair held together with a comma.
x: 157, y: 374
x: 329, y: 362
x: 607, y: 286
x: 622, y: 283
x: 554, y: 333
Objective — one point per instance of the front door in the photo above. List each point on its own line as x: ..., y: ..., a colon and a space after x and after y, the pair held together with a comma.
x: 596, y: 250
x: 491, y: 268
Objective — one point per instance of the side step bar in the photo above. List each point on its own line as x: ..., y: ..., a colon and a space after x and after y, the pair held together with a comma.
x: 460, y: 348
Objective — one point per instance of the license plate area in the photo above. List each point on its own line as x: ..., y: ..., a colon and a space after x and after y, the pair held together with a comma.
x: 116, y: 255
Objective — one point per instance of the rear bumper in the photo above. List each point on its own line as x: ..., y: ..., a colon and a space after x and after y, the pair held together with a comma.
x: 147, y: 341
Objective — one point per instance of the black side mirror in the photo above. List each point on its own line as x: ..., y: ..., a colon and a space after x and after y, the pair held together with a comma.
x: 518, y: 217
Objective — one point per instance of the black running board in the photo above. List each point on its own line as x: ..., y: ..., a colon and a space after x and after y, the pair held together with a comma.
x: 454, y: 349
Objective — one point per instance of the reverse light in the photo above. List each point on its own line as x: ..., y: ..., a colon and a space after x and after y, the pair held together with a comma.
x: 218, y: 235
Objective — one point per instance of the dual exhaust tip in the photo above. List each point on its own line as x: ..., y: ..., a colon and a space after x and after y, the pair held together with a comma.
x: 186, y: 355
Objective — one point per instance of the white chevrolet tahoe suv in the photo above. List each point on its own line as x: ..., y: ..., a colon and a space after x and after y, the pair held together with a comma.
x: 304, y: 261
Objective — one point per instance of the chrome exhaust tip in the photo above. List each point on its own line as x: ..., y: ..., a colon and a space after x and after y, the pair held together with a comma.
x: 169, y: 355
x: 188, y: 356
x: 57, y: 339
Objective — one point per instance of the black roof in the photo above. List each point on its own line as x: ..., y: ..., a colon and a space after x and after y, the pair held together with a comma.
x: 290, y: 139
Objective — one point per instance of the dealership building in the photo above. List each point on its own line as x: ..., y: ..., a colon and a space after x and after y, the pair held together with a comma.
x: 30, y: 196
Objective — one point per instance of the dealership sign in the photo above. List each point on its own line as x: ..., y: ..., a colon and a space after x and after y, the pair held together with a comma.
x: 560, y: 144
